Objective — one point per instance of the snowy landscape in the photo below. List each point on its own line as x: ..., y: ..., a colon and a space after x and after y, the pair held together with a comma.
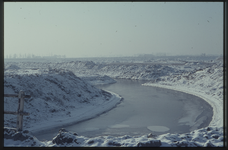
x: 63, y: 91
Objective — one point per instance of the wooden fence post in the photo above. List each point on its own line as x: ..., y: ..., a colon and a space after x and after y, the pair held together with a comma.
x: 20, y: 110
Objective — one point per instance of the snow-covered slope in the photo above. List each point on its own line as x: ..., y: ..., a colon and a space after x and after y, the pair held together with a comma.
x: 57, y: 95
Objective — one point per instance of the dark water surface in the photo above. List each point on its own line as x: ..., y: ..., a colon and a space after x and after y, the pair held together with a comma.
x: 144, y: 110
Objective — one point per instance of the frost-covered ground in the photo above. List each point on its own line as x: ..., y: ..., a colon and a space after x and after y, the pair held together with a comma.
x: 199, y: 76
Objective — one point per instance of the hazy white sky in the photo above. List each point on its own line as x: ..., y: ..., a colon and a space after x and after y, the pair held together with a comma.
x: 81, y: 29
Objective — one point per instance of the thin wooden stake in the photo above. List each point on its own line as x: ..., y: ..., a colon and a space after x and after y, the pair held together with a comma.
x: 20, y: 109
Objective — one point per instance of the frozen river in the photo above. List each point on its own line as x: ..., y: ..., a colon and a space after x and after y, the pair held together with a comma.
x: 144, y: 110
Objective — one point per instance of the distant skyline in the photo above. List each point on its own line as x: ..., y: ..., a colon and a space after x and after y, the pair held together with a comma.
x: 98, y: 29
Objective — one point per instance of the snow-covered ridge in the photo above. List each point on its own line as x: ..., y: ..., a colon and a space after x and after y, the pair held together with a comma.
x: 141, y: 71
x: 56, y: 94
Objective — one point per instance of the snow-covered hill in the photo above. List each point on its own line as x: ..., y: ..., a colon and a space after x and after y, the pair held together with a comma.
x: 57, y: 95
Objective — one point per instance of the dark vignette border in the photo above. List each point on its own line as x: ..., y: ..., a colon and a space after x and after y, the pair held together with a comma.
x: 225, y: 53
x: 225, y: 63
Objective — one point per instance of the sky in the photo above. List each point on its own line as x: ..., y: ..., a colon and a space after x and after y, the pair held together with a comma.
x: 110, y: 29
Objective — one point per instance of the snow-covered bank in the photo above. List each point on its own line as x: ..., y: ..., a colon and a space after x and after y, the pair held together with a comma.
x: 217, y: 106
x: 58, y: 97
x: 83, y: 113
x: 205, y: 83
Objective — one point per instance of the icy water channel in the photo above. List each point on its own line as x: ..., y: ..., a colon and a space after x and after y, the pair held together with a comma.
x: 145, y: 110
